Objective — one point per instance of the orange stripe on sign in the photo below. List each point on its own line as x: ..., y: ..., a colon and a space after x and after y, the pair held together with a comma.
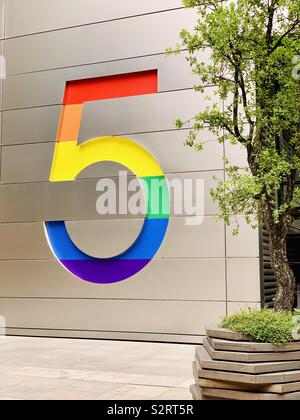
x: 100, y: 88
x: 69, y: 124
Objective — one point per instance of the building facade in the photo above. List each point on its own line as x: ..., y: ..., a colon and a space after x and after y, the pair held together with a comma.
x: 201, y: 272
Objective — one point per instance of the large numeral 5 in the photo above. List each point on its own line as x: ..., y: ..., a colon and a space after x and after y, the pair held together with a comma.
x: 70, y: 159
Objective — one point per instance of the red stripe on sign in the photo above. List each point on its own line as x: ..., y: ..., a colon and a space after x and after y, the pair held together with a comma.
x: 109, y: 87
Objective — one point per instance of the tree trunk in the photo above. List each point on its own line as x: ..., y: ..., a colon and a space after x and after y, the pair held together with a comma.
x: 286, y: 282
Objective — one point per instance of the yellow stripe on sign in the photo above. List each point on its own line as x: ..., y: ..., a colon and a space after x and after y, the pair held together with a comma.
x: 70, y: 158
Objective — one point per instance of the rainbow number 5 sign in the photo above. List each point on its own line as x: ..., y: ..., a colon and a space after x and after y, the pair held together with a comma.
x: 70, y: 158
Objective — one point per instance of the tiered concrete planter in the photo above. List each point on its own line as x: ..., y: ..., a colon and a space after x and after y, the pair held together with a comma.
x: 232, y: 367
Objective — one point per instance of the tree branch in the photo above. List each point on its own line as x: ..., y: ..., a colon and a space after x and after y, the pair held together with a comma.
x: 246, y: 108
x: 288, y: 217
x: 237, y: 132
x: 281, y: 39
x: 291, y: 182
x: 271, y: 12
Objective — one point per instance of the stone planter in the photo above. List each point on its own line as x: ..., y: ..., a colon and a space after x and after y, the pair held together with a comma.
x: 231, y: 366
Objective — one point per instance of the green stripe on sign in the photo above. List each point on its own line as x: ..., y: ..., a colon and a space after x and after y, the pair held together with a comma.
x: 158, y: 198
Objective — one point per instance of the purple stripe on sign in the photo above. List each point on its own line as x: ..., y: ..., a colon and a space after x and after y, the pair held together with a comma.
x: 104, y: 271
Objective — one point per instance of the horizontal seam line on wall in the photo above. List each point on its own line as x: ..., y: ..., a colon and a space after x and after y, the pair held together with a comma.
x: 45, y: 260
x: 66, y: 28
x: 56, y: 105
x: 168, y: 130
x: 158, y: 340
x: 3, y: 222
x: 116, y: 299
x: 128, y: 219
x: 85, y: 64
x: 154, y: 259
x: 162, y: 92
x: 107, y: 331
x: 112, y: 177
x: 91, y: 64
x: 244, y: 301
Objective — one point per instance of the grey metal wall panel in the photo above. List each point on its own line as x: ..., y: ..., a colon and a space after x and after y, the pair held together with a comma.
x: 28, y: 163
x: 31, y: 125
x: 50, y: 201
x: 47, y: 88
x: 32, y: 162
x: 179, y: 200
x: 27, y: 241
x: 246, y: 287
x: 2, y: 17
x: 23, y: 241
x: 41, y: 201
x: 204, y: 241
x: 46, y: 15
x: 246, y: 245
x: 170, y: 317
x: 234, y: 307
x: 188, y: 279
x: 138, y: 114
x: 105, y: 239
x: 236, y: 154
x: 169, y: 149
x: 140, y: 36
x: 184, y: 287
x: 2, y: 74
x: 0, y: 132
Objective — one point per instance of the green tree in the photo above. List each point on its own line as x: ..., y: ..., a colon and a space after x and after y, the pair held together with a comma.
x: 254, y: 46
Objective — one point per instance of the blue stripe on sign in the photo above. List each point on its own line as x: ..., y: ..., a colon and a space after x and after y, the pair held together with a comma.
x: 145, y: 247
